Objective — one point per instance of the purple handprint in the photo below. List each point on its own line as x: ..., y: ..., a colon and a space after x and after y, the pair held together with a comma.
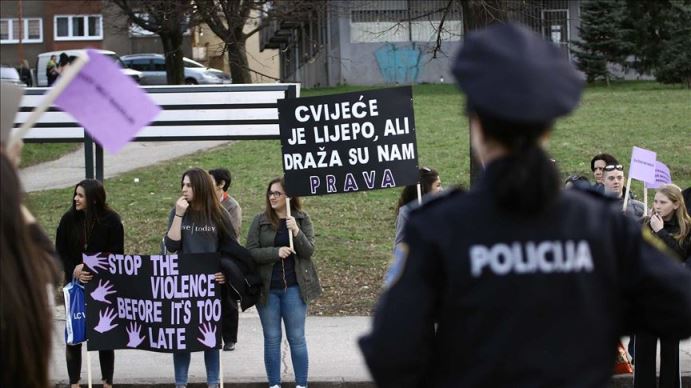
x: 103, y: 290
x: 133, y: 332
x: 209, y: 339
x: 105, y: 320
x: 95, y: 261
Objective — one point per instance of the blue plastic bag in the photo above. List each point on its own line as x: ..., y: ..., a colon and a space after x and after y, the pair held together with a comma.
x: 75, y: 313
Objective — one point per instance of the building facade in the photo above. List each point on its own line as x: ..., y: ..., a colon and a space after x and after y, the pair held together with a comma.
x: 31, y: 27
x: 395, y: 41
x: 210, y: 50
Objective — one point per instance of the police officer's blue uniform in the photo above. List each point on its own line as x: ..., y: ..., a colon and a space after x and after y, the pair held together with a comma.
x: 487, y: 298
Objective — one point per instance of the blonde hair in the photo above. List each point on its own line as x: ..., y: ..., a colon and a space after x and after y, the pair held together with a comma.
x: 673, y: 192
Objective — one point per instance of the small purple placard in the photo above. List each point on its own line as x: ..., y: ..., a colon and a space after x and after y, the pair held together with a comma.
x: 108, y: 103
x: 642, y: 165
x: 662, y: 176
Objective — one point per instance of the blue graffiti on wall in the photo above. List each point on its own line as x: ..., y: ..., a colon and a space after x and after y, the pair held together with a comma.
x: 398, y: 64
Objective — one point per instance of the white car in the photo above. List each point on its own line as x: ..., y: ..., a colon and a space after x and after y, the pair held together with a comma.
x: 43, y: 58
x: 10, y: 75
x: 153, y: 68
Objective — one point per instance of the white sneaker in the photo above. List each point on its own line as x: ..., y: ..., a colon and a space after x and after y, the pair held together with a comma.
x: 300, y: 386
x: 275, y: 386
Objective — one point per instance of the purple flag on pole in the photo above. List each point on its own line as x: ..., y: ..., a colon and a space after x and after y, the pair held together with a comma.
x: 642, y: 165
x: 109, y: 104
x: 662, y: 176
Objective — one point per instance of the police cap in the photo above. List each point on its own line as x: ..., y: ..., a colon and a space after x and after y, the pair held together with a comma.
x: 511, y: 73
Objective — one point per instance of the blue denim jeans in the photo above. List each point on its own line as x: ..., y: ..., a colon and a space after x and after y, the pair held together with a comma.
x: 288, y: 306
x: 181, y: 362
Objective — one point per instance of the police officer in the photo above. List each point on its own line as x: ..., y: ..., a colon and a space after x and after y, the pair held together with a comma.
x: 516, y: 283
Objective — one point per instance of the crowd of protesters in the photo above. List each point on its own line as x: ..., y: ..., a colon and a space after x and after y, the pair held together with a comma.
x: 279, y: 245
x: 668, y: 218
x: 289, y: 276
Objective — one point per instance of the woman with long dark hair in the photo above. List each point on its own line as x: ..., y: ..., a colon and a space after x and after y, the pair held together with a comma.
x: 670, y: 222
x: 289, y: 279
x: 89, y: 226
x: 199, y: 224
x: 26, y: 271
x: 516, y: 282
x: 429, y: 183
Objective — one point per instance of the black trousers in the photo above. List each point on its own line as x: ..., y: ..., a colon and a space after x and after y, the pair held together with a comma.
x: 645, y: 349
x: 230, y: 315
x: 73, y: 355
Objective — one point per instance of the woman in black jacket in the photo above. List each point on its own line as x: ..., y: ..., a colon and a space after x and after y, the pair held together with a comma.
x: 670, y: 222
x: 90, y: 226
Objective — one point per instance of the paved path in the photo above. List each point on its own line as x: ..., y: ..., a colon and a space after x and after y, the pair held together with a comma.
x: 69, y: 169
x: 334, y: 355
x: 335, y: 360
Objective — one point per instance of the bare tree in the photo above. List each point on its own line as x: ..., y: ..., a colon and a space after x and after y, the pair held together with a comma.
x: 169, y: 19
x: 228, y: 18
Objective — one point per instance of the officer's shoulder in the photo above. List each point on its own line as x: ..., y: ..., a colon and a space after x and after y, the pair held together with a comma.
x: 584, y: 200
x: 591, y: 195
x: 445, y: 197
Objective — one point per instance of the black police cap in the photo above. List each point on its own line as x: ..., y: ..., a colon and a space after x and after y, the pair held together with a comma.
x: 511, y: 73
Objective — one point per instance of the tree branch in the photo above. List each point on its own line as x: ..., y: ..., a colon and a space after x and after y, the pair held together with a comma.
x: 437, y: 45
x: 126, y: 7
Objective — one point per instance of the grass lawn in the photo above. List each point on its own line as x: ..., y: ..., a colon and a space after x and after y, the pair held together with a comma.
x: 354, y: 231
x: 35, y: 153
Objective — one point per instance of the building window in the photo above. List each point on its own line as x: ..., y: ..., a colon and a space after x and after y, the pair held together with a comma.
x: 78, y: 27
x: 32, y: 30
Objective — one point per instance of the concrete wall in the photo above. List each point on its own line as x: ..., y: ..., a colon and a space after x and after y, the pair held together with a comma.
x: 396, y: 63
x: 343, y: 62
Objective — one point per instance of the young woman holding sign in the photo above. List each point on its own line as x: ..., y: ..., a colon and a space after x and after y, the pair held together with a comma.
x: 199, y: 224
x: 90, y: 226
x: 672, y: 224
x: 289, y: 278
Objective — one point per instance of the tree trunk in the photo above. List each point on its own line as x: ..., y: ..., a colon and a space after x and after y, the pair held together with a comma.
x: 237, y: 60
x: 172, y: 48
x: 479, y: 14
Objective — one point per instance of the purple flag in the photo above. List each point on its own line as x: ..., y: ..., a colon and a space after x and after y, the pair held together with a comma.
x: 642, y: 165
x: 109, y: 104
x: 662, y: 176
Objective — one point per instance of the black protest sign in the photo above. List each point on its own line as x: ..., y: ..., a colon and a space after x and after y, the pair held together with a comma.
x: 158, y: 303
x: 348, y: 142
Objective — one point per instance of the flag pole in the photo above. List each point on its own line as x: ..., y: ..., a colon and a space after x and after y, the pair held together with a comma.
x: 220, y: 366
x: 627, y: 192
x: 290, y: 233
x: 88, y: 367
